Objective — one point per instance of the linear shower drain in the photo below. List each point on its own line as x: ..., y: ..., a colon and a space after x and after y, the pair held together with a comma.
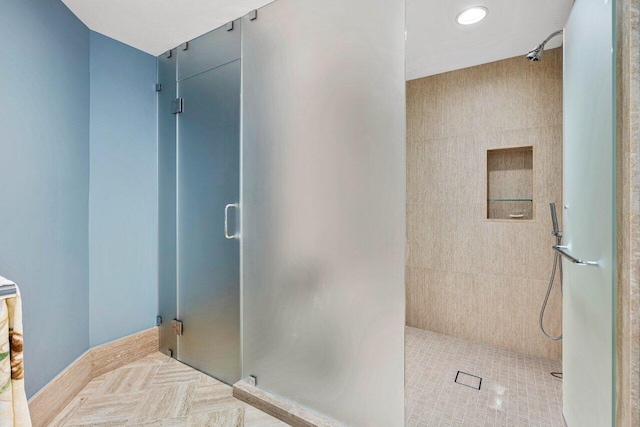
x: 468, y: 380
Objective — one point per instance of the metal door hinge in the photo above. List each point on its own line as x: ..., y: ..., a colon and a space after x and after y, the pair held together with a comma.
x: 229, y: 26
x: 176, y: 327
x: 253, y: 15
x: 158, y: 87
x: 158, y: 320
x: 176, y: 106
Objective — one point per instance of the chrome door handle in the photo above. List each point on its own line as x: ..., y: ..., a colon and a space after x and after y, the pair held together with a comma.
x: 226, y: 222
x: 562, y: 250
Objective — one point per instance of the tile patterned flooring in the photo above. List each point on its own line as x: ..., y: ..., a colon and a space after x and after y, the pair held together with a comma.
x: 517, y: 389
x: 159, y: 391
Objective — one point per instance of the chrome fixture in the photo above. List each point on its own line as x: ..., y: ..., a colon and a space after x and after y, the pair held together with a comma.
x: 562, y: 251
x: 536, y: 54
x: 226, y: 222
x: 557, y: 264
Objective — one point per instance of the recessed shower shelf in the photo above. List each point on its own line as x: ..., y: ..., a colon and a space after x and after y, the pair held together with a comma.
x: 510, y: 172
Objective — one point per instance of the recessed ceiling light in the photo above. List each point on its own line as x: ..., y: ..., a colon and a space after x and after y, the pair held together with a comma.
x: 472, y: 15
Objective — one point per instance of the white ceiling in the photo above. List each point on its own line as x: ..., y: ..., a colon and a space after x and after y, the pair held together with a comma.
x: 155, y: 26
x: 435, y: 41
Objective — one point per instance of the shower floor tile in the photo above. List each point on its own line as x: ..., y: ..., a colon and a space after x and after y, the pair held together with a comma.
x: 158, y: 390
x: 517, y: 389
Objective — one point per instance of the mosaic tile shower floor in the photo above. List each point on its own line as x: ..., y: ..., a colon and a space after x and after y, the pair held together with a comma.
x: 516, y: 390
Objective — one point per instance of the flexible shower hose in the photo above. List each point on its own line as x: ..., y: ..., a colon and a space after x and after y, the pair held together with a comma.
x: 556, y: 261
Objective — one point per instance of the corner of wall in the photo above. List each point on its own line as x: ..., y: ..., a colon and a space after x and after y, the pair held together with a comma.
x: 123, y: 191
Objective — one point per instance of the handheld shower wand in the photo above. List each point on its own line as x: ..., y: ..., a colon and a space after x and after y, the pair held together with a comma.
x: 557, y: 264
x: 554, y: 220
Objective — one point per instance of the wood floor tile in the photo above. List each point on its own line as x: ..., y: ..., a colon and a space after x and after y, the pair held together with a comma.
x: 68, y: 412
x: 213, y: 397
x: 159, y: 391
x: 93, y: 386
x: 165, y: 403
x: 173, y: 422
x: 173, y: 373
x: 100, y: 410
x: 128, y: 379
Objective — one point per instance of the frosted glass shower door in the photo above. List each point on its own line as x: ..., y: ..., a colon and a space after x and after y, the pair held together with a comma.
x: 209, y: 263
x: 323, y: 196
x: 589, y: 171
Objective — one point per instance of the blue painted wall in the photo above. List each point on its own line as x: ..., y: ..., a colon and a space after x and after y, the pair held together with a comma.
x: 123, y: 200
x: 44, y: 179
x: 78, y: 209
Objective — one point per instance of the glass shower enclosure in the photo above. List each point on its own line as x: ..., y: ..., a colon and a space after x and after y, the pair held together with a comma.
x: 293, y: 119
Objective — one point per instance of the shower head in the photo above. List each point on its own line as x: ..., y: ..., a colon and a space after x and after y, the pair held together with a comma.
x: 536, y: 54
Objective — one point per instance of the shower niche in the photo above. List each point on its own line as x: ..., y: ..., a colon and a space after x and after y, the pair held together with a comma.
x: 510, y: 184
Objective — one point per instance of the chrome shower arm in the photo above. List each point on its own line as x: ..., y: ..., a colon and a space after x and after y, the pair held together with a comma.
x: 552, y: 35
x: 536, y: 53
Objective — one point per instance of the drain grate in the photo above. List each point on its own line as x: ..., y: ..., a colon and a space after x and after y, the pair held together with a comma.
x: 468, y: 380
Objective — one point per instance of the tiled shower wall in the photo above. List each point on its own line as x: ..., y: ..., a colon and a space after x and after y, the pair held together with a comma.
x: 467, y: 276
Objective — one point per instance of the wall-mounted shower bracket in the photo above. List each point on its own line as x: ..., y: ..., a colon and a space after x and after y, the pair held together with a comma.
x: 562, y: 251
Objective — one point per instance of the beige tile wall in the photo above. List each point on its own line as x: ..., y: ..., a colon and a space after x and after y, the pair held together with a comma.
x: 468, y: 276
x: 509, y: 176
